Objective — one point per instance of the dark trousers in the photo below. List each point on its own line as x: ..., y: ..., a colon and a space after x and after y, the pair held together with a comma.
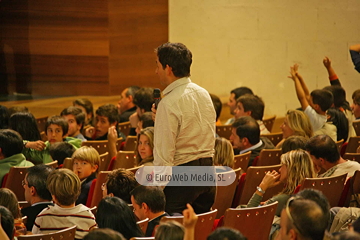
x: 201, y: 198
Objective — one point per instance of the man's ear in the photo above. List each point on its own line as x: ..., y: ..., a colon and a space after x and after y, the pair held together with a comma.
x: 248, y: 113
x: 168, y: 70
x: 33, y: 190
x: 292, y: 234
x: 145, y: 207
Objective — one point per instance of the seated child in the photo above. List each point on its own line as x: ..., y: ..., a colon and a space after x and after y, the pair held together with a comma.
x: 61, y: 150
x: 144, y: 121
x: 56, y: 129
x: 224, y: 153
x: 106, y: 117
x: 314, y: 104
x: 76, y: 119
x: 144, y: 147
x: 64, y: 187
x: 87, y: 107
x: 11, y: 146
x: 86, y: 162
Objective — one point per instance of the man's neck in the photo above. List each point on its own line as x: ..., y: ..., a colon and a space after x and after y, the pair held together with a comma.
x: 152, y: 215
x: 37, y: 200
x: 329, y: 165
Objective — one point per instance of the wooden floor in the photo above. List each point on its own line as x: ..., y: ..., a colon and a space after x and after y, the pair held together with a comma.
x: 53, y: 106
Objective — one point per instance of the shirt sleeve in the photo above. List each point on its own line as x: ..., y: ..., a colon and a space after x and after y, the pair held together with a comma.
x: 166, y: 127
x: 355, y: 57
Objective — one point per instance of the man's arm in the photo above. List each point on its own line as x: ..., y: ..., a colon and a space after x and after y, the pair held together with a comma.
x: 334, y: 80
x: 300, y: 92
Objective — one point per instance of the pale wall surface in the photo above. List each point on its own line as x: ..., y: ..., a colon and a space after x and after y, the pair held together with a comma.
x: 253, y: 43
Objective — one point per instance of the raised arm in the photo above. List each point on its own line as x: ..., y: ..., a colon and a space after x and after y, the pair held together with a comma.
x: 112, y: 138
x: 334, y: 80
x: 189, y: 222
x: 355, y: 56
x: 300, y: 91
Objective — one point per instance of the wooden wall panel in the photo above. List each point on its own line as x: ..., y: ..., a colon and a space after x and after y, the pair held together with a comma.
x: 73, y: 47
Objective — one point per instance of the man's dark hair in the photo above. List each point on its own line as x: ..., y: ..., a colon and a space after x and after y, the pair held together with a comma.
x: 61, y: 150
x: 346, y: 236
x: 318, y: 197
x: 338, y: 118
x: 177, y: 56
x: 339, y: 95
x: 109, y: 111
x: 147, y: 120
x: 131, y: 91
x: 36, y: 177
x: 25, y: 124
x: 323, y: 98
x: 238, y: 92
x: 57, y: 120
x: 7, y: 222
x: 293, y: 143
x: 217, y: 104
x: 322, y: 146
x: 78, y: 114
x: 309, y: 219
x: 247, y: 127
x: 144, y: 99
x: 224, y: 233
x: 104, y: 234
x: 254, y: 104
x: 356, y: 97
x: 154, y: 197
x: 10, y: 142
x: 121, y: 182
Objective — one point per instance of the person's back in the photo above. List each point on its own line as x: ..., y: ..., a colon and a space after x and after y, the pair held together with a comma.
x: 64, y: 186
x: 11, y: 146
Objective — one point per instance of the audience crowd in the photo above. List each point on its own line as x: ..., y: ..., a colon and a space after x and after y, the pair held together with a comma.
x: 178, y: 131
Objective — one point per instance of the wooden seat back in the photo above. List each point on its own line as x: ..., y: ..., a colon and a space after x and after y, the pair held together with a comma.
x: 203, y: 225
x: 124, y: 127
x: 242, y: 161
x: 65, y: 234
x: 353, y: 144
x: 254, y: 176
x: 143, y: 224
x: 352, y: 156
x: 331, y: 187
x: 269, y: 122
x: 224, y: 131
x: 130, y: 143
x: 41, y: 121
x: 253, y: 223
x: 356, y: 125
x: 275, y: 138
x: 14, y: 181
x: 97, y: 195
x: 225, y: 194
x: 269, y: 157
x: 124, y: 159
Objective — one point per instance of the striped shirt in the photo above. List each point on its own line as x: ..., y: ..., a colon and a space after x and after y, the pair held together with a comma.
x: 56, y: 218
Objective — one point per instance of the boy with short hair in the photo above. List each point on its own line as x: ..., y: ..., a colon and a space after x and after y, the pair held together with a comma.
x: 106, y: 117
x: 56, y: 128
x: 64, y: 187
x: 61, y: 150
x: 86, y: 161
x: 251, y: 105
x: 314, y: 104
x: 76, y: 119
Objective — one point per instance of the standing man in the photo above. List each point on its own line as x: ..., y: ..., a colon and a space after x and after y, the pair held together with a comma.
x: 184, y: 127
x: 126, y: 106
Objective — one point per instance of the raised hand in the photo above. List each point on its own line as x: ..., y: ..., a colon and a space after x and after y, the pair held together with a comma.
x: 327, y: 62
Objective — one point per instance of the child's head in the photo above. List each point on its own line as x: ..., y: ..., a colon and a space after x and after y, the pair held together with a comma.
x: 250, y: 105
x: 64, y: 186
x: 145, y: 145
x: 106, y: 117
x: 56, y: 128
x: 75, y: 118
x: 170, y: 230
x: 9, y: 200
x: 356, y: 103
x: 339, y: 95
x: 86, y: 161
x: 224, y: 153
x: 87, y: 107
x: 144, y: 121
x: 61, y: 150
x: 322, y: 100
